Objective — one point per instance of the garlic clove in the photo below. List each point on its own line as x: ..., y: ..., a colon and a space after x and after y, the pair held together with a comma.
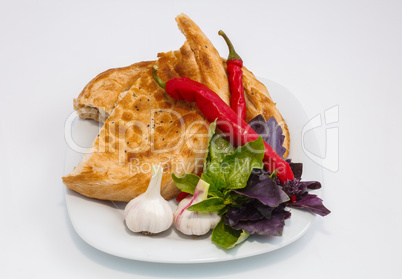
x: 193, y: 222
x: 149, y: 213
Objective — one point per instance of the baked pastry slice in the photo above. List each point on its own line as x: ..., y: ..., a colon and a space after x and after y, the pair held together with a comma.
x: 212, y: 70
x: 100, y: 96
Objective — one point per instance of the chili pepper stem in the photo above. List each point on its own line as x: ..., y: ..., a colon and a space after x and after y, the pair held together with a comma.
x: 158, y: 80
x: 232, y: 53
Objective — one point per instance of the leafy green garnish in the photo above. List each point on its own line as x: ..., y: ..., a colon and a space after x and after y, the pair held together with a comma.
x: 219, y: 148
x: 213, y: 204
x: 187, y: 182
x: 233, y: 171
x: 227, y: 237
x: 248, y: 202
x: 226, y: 169
x: 274, y: 175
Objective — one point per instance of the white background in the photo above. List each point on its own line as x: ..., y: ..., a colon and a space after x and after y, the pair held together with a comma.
x: 327, y: 53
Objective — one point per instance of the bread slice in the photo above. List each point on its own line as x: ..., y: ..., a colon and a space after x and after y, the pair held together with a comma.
x: 100, y: 96
x: 147, y: 127
x: 212, y: 71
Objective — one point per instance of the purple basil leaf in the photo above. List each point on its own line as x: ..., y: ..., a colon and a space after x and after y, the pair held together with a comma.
x: 259, y: 125
x: 265, y: 210
x: 245, y: 213
x: 287, y: 214
x: 294, y: 187
x: 262, y: 171
x: 313, y: 185
x: 280, y: 208
x: 275, y: 138
x: 270, y: 132
x: 311, y: 203
x: 297, y: 169
x: 264, y: 189
x: 272, y: 226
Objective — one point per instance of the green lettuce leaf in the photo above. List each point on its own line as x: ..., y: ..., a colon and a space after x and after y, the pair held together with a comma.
x: 233, y: 171
x: 219, y: 148
x: 213, y: 204
x: 227, y: 237
x: 187, y: 182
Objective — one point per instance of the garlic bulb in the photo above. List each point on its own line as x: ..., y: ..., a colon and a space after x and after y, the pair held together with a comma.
x: 149, y: 213
x: 194, y: 222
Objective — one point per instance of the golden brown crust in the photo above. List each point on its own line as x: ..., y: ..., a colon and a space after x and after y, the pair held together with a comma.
x: 212, y: 70
x: 99, y: 97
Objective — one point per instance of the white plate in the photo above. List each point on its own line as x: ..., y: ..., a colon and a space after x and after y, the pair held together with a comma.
x: 101, y: 223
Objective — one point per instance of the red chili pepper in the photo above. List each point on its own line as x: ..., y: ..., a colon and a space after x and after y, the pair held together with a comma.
x: 235, y: 73
x: 293, y: 198
x: 234, y: 128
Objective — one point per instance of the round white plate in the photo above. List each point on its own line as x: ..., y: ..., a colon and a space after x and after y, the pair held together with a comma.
x: 101, y: 223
